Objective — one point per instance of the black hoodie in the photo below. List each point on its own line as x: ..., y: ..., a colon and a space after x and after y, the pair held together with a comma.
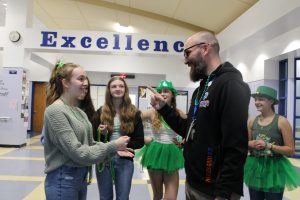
x: 215, y: 154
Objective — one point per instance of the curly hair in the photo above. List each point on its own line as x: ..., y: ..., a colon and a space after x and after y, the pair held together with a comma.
x: 127, y: 110
x: 54, y: 88
x: 156, y: 122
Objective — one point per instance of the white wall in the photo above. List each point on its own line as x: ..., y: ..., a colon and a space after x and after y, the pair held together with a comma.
x: 268, y: 32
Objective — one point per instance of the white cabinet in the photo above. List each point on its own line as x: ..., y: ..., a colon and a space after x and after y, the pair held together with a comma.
x: 13, y: 107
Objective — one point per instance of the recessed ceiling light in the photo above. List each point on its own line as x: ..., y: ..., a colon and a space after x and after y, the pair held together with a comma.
x: 123, y: 29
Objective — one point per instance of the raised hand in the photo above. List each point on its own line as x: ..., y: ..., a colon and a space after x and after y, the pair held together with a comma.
x: 157, y: 101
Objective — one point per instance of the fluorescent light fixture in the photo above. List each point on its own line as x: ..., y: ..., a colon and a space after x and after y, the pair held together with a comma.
x: 123, y: 29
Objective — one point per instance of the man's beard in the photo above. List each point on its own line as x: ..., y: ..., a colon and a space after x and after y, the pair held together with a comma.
x: 198, y: 71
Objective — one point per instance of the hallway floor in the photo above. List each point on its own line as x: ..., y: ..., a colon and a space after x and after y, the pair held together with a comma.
x: 22, y: 176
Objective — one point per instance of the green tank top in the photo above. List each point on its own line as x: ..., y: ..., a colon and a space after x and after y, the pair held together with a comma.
x: 269, y: 133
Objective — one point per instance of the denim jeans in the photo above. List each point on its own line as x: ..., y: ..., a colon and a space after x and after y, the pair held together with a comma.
x: 123, y: 169
x: 260, y: 195
x: 66, y: 183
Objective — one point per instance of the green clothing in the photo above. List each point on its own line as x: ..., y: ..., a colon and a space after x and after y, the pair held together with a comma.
x: 69, y: 139
x: 269, y: 133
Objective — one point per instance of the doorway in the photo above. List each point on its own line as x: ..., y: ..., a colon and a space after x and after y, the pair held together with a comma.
x: 39, y: 106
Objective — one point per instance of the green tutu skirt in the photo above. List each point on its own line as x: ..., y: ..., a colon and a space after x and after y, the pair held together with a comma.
x: 161, y: 157
x: 271, y: 174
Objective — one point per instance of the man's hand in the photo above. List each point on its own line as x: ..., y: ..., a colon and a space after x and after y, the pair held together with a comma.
x: 157, y: 101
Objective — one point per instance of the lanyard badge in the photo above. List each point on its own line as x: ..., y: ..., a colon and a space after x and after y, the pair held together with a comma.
x: 199, y: 102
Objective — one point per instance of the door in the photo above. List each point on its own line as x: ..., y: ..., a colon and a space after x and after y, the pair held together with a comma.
x: 39, y: 106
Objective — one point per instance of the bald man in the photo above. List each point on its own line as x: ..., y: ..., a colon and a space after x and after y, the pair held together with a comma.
x: 216, y: 128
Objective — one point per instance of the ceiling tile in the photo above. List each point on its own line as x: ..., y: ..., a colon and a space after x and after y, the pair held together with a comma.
x: 44, y: 17
x: 97, y: 15
x: 94, y: 12
x: 206, y: 14
x: 249, y: 2
x: 165, y: 7
x: 71, y: 24
x: 146, y: 25
x: 177, y: 30
x: 123, y: 2
x: 60, y: 8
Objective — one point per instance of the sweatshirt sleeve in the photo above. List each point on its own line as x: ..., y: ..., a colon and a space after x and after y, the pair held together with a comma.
x: 178, y: 124
x: 64, y: 138
x: 137, y: 137
x: 235, y: 98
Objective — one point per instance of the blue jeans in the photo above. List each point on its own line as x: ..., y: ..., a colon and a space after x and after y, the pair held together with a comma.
x: 260, y: 195
x: 123, y: 169
x: 66, y: 183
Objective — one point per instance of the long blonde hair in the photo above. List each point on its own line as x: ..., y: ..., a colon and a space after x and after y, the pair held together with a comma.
x: 156, y: 122
x: 127, y: 110
x: 54, y: 88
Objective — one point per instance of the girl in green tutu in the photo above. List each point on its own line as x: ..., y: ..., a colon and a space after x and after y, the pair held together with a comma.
x: 267, y: 170
x: 162, y: 157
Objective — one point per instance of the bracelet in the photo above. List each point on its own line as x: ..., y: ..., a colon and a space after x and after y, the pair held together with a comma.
x: 271, y: 147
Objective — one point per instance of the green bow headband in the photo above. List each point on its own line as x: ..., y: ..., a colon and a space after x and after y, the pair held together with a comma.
x: 59, y: 64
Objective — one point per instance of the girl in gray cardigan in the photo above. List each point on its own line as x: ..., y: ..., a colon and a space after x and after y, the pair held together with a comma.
x: 69, y: 147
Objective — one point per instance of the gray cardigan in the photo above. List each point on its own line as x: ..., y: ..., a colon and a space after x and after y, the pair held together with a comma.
x: 69, y: 139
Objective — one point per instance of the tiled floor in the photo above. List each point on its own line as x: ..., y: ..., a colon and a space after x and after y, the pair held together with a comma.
x: 21, y: 176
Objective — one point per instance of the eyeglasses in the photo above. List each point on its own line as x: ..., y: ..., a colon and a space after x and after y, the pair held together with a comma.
x: 186, y: 52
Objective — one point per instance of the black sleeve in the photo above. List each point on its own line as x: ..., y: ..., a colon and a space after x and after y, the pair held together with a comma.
x: 96, y: 123
x: 137, y: 137
x: 234, y: 144
x: 178, y: 124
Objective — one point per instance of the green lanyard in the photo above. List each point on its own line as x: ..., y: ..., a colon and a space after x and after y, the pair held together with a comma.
x: 100, y: 166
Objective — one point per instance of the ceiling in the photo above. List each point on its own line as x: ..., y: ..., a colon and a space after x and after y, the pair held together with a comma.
x: 170, y: 17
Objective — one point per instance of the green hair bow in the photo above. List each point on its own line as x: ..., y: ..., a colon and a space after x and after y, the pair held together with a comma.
x: 59, y: 64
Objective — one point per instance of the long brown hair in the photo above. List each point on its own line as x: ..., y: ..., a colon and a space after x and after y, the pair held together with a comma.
x: 55, y: 87
x: 87, y: 104
x: 127, y: 110
x: 156, y: 122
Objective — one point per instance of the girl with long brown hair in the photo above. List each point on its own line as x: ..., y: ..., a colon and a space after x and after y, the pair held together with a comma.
x: 117, y: 117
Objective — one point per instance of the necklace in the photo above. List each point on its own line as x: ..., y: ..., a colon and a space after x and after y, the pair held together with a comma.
x: 196, y: 106
x: 264, y: 131
x: 198, y: 100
